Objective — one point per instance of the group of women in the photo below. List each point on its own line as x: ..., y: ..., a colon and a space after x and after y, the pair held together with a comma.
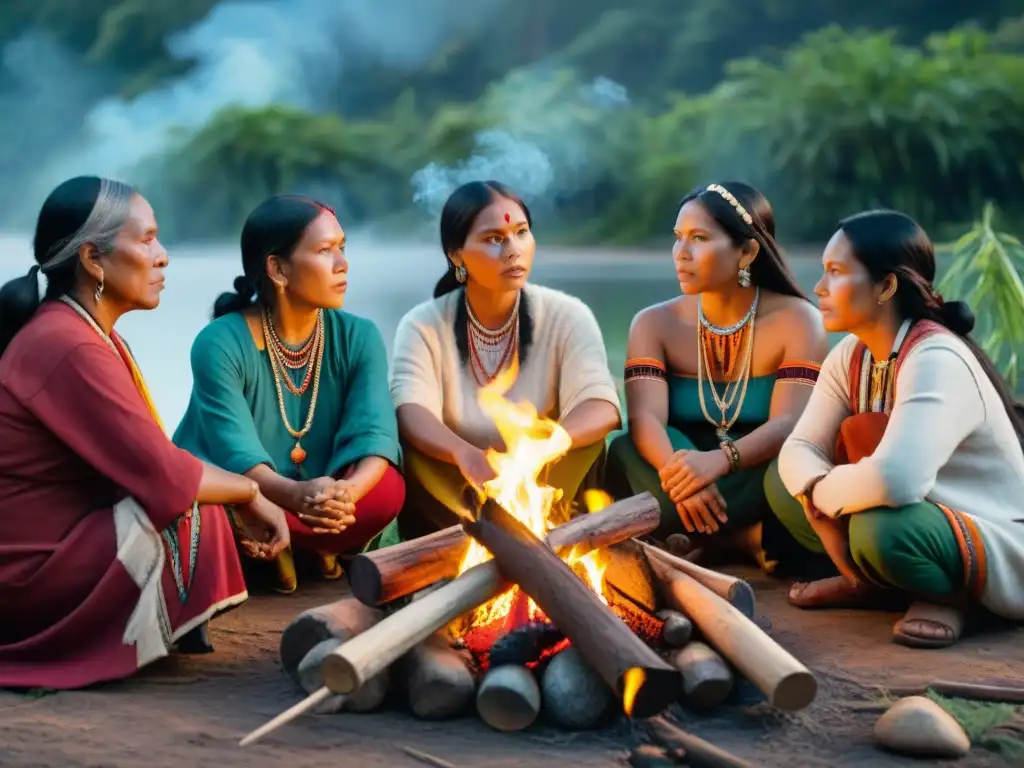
x: 891, y: 465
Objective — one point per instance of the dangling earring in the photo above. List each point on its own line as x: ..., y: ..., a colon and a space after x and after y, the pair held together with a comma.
x: 98, y: 293
x: 461, y: 274
x: 743, y: 277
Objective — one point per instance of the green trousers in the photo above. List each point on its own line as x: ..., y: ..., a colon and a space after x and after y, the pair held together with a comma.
x: 911, y: 548
x: 434, y: 488
x: 628, y: 473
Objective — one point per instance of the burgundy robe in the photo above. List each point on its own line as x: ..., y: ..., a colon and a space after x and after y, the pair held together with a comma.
x: 102, y: 565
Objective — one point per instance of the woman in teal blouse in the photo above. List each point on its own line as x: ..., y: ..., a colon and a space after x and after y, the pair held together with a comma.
x: 293, y: 392
x: 709, y: 403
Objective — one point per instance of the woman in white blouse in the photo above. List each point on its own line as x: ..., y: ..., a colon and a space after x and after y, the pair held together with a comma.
x: 908, y: 460
x: 486, y: 319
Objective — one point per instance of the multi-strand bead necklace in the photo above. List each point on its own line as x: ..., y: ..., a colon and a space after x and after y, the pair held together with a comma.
x: 282, y: 359
x: 491, y: 351
x: 718, y: 351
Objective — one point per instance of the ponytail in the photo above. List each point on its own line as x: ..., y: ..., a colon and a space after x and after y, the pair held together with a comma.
x: 243, y: 297
x: 19, y: 300
x: 447, y: 283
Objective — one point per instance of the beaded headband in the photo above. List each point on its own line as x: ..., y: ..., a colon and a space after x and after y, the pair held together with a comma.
x: 731, y: 200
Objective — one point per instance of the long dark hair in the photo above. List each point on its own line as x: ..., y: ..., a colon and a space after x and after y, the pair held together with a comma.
x: 457, y: 219
x: 274, y: 228
x: 83, y: 210
x: 769, y: 270
x: 892, y: 243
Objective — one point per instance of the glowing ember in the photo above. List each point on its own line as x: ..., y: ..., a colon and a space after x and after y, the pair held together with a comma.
x: 531, y: 444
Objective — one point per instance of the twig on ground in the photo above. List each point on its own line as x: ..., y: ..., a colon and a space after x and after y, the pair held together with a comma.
x: 424, y: 757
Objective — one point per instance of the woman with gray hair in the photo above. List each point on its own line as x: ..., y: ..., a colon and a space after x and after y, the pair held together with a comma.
x: 112, y: 548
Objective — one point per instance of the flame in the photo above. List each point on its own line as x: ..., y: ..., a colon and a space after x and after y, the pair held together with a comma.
x: 632, y: 681
x: 531, y: 444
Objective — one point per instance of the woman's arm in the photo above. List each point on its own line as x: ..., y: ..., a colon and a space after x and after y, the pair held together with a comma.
x: 806, y: 345
x: 807, y: 453
x: 427, y: 434
x: 587, y: 397
x: 590, y: 422
x: 367, y: 438
x: 218, y: 486
x: 647, y: 390
x: 938, y: 404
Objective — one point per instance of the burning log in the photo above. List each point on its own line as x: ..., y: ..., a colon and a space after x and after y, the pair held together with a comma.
x: 387, y: 574
x: 736, y: 591
x: 628, y: 576
x: 630, y: 668
x: 509, y: 698
x: 786, y: 682
x: 366, y: 654
x: 526, y: 644
x: 340, y: 621
x: 707, y: 679
x: 574, y: 694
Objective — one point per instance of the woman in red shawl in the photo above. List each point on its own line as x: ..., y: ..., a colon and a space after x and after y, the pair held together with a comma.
x: 107, y: 559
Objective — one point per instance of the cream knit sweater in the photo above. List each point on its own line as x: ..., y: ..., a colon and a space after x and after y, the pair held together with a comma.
x: 948, y: 440
x: 566, y: 364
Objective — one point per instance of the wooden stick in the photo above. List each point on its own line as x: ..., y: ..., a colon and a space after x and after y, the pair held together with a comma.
x: 644, y: 681
x: 699, y: 753
x: 786, y: 682
x: 423, y: 757
x: 738, y: 592
x: 287, y: 716
x: 386, y: 574
x: 359, y: 659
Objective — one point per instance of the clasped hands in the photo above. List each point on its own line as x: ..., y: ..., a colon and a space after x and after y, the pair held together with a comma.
x: 326, y: 504
x: 688, y: 478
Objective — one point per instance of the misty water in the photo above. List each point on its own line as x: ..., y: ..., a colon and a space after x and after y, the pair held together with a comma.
x: 385, y: 280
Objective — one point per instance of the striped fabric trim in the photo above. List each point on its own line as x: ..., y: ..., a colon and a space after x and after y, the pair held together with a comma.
x: 798, y: 372
x: 972, y: 550
x: 645, y: 368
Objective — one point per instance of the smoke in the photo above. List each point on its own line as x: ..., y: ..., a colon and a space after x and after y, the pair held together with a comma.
x: 546, y: 129
x: 250, y: 54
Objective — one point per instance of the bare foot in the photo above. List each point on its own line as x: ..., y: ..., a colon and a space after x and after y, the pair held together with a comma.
x: 929, y: 625
x: 834, y: 592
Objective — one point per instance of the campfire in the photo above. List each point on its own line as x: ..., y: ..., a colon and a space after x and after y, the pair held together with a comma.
x: 526, y: 607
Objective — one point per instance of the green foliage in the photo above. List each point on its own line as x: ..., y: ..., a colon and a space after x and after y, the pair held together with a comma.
x: 850, y: 121
x: 987, y: 271
x: 840, y: 122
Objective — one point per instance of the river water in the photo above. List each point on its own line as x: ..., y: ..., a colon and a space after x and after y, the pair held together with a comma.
x: 385, y: 280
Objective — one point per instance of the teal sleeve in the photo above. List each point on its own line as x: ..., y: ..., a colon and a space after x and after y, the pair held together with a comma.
x: 368, y: 425
x: 218, y: 418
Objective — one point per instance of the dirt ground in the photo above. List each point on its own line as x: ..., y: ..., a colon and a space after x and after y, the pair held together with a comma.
x: 191, y: 711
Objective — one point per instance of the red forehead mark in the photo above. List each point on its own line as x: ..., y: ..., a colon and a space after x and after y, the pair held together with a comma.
x: 507, y: 218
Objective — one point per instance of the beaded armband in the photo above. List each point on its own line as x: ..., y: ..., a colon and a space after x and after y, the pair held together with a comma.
x: 645, y: 368
x: 798, y: 372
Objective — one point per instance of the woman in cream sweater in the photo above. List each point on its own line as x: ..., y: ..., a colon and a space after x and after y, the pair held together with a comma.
x: 485, y: 319
x: 908, y: 459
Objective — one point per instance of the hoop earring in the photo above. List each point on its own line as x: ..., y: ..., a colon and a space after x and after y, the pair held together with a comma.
x: 98, y: 293
x: 460, y: 274
x: 743, y: 278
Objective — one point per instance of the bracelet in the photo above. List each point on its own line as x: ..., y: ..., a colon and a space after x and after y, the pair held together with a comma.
x: 255, y: 491
x: 733, y: 453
